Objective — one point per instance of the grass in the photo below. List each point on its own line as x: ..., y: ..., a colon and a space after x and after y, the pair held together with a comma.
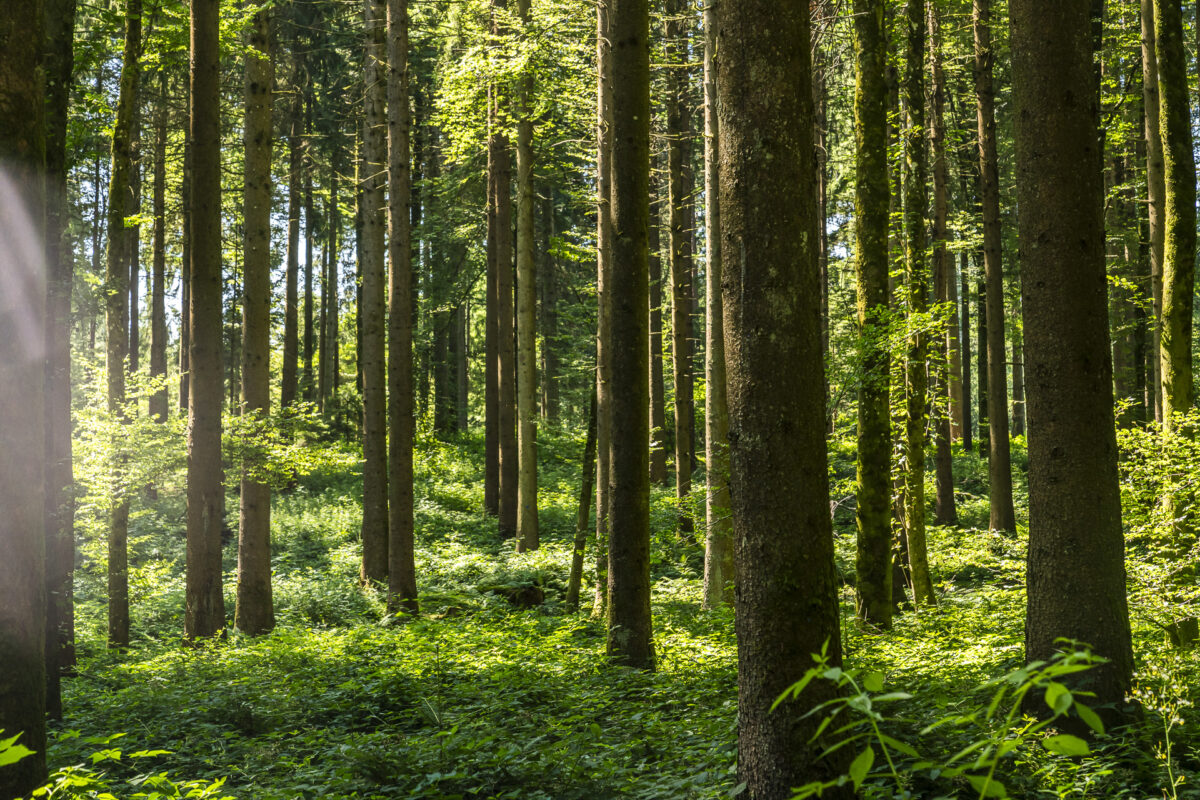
x: 478, y: 699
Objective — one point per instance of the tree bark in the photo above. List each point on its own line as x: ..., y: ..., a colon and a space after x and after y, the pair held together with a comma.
x: 291, y: 340
x: 254, y: 613
x: 402, y: 570
x: 491, y: 477
x: 158, y: 280
x: 916, y: 384
x: 679, y: 247
x: 1076, y: 572
x: 630, y: 640
x: 947, y: 402
x: 117, y: 312
x: 1155, y: 192
x: 583, y: 514
x: 1000, y: 498
x: 778, y: 477
x: 548, y: 280
x: 22, y: 412
x: 658, y: 392
x: 873, y: 567
x: 718, y: 540
x: 604, y: 236
x: 527, y: 481
x: 205, y: 614
x: 375, y: 468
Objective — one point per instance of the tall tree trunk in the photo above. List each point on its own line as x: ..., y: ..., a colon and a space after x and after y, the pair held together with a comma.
x: 185, y: 270
x: 402, y: 570
x: 947, y: 403
x: 779, y: 484
x: 1179, y: 211
x: 491, y: 476
x: 308, y: 385
x: 158, y: 285
x: 915, y: 394
x: 461, y: 372
x: 59, y: 18
x: 375, y: 468
x: 254, y: 613
x: 291, y: 339
x: 548, y: 304
x: 658, y: 412
x: 873, y: 565
x: 205, y: 493
x: 629, y: 627
x: 120, y: 206
x: 583, y: 514
x: 1076, y: 585
x: 1000, y: 498
x: 331, y: 294
x: 604, y: 255
x: 1155, y: 191
x: 1018, y: 383
x: 22, y: 413
x: 506, y: 367
x: 134, y: 232
x: 718, y: 540
x: 527, y: 481
x: 965, y: 340
x: 679, y: 207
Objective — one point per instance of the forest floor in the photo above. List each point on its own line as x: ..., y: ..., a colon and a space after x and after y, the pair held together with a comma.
x: 480, y: 699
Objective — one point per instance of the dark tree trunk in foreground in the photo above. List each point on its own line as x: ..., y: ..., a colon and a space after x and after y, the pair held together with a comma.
x: 780, y: 492
x: 117, y: 313
x: 375, y: 470
x: 1000, y: 496
x: 629, y: 628
x: 402, y: 571
x: 59, y: 17
x: 1076, y: 567
x: 255, y: 613
x: 205, y: 493
x: 873, y: 565
x: 22, y: 414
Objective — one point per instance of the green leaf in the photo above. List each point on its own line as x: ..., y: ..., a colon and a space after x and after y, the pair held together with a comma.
x: 898, y: 745
x: 1066, y: 745
x: 987, y: 787
x: 13, y: 753
x: 861, y: 766
x: 873, y: 682
x: 1090, y: 717
x: 1058, y: 697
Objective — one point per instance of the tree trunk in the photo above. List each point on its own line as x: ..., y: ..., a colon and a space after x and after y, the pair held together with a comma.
x: 873, y: 568
x: 22, y: 413
x: 548, y: 280
x: 1018, y: 384
x: 134, y: 233
x: 158, y: 281
x: 718, y: 540
x: 778, y: 476
x: 402, y: 570
x: 205, y: 490
x: 462, y: 377
x: 331, y: 293
x: 964, y: 327
x: 59, y: 18
x: 1076, y: 573
x: 658, y: 412
x: 506, y: 366
x: 120, y: 206
x: 185, y: 272
x: 915, y: 394
x: 947, y: 403
x: 604, y: 254
x: 307, y: 384
x: 527, y: 481
x: 1155, y: 191
x: 491, y: 476
x: 291, y: 339
x: 630, y: 642
x: 679, y: 207
x: 255, y: 613
x: 1000, y: 496
x: 1179, y: 212
x: 583, y: 514
x: 375, y: 468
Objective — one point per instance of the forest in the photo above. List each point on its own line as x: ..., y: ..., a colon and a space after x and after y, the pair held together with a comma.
x: 577, y: 399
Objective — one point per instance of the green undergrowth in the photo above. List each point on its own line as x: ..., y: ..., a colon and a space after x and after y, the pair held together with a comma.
x: 480, y: 698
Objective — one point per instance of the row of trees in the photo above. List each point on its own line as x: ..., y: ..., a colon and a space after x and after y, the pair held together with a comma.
x: 432, y: 107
